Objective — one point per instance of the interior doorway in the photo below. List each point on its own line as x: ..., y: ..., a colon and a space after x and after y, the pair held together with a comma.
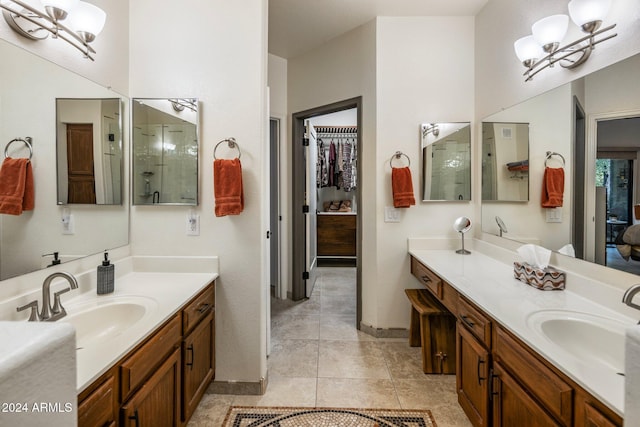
x: 307, y: 148
x: 82, y: 187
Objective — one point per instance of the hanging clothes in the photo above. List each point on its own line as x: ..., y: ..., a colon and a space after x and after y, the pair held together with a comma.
x: 321, y: 165
x: 332, y: 163
x: 348, y: 166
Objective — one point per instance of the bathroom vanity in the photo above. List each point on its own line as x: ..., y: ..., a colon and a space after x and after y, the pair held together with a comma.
x: 509, y: 371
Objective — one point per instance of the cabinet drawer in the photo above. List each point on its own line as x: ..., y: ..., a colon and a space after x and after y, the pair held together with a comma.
x: 198, y: 309
x: 138, y: 367
x: 427, y: 277
x: 97, y: 409
x: 475, y: 321
x: 542, y: 382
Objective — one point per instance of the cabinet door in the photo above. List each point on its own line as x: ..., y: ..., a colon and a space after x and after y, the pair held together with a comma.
x: 513, y: 406
x: 595, y: 418
x: 471, y: 381
x: 197, y: 365
x: 157, y: 403
x: 97, y: 409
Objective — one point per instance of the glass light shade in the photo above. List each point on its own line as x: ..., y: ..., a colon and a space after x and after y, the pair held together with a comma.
x: 527, y: 49
x: 551, y: 29
x: 87, y: 18
x: 587, y: 11
x: 65, y: 5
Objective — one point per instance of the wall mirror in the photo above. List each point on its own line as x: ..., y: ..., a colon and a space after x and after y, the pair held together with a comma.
x: 446, y: 161
x: 89, y: 142
x: 165, y: 151
x: 594, y: 123
x: 505, y: 161
x: 29, y: 109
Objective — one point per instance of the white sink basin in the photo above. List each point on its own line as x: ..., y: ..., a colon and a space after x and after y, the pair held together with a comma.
x: 105, y: 318
x: 590, y: 339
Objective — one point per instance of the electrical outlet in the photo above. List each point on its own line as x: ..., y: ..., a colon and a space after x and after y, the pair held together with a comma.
x: 193, y: 224
x: 391, y: 214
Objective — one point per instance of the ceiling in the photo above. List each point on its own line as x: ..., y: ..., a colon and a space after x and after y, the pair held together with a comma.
x: 297, y: 26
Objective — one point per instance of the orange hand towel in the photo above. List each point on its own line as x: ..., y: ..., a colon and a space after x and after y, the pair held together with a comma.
x: 227, y: 187
x: 402, y: 186
x: 16, y: 186
x: 552, y: 187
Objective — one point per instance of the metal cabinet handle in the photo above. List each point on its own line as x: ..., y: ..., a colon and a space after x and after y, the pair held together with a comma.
x: 480, y: 377
x: 193, y: 355
x: 425, y: 279
x: 493, y: 386
x: 135, y: 418
x: 466, y: 321
x: 204, y: 308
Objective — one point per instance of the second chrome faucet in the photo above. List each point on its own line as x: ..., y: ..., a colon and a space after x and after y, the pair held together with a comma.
x: 49, y: 312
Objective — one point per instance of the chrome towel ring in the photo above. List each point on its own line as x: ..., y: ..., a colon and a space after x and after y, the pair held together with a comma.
x: 551, y: 154
x: 231, y: 142
x: 27, y: 141
x: 398, y: 155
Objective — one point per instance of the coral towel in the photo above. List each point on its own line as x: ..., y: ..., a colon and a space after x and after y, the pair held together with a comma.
x: 227, y: 187
x: 402, y: 186
x: 552, y: 187
x: 16, y: 186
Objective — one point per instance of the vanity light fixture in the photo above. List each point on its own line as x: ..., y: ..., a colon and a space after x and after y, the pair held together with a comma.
x: 179, y: 104
x: 430, y: 128
x: 36, y: 19
x: 542, y: 49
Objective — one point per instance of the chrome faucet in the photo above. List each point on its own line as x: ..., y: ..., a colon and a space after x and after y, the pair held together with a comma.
x: 629, y: 294
x: 49, y: 313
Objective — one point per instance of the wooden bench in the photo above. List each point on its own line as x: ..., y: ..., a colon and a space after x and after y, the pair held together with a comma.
x: 433, y: 328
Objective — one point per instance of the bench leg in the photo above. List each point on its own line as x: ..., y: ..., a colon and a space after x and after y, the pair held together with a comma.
x: 415, y: 339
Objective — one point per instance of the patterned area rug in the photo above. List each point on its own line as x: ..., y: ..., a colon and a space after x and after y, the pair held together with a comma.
x: 251, y: 416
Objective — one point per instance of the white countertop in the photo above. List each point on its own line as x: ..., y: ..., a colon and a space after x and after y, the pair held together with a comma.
x: 166, y: 291
x: 490, y: 284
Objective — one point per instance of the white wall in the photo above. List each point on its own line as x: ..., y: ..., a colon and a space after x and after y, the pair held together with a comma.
x: 419, y: 80
x: 215, y: 51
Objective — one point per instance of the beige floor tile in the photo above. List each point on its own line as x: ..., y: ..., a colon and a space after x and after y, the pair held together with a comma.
x: 356, y: 393
x: 300, y: 326
x: 428, y: 392
x: 403, y: 361
x: 337, y: 304
x: 352, y: 367
x: 341, y: 327
x: 294, y: 358
x: 211, y: 410
x: 283, y: 391
x: 338, y: 348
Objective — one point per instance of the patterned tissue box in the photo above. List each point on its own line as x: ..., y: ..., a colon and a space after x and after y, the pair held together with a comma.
x: 548, y: 279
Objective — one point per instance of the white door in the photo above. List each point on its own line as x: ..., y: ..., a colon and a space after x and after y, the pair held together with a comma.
x: 311, y: 203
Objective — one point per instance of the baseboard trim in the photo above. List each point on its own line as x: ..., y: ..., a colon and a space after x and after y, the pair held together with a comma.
x: 384, y: 332
x: 239, y: 387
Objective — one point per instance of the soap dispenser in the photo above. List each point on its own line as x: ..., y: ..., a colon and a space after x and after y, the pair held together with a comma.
x: 105, y: 276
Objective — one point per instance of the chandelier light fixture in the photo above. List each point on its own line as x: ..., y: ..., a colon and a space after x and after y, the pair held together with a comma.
x: 542, y: 49
x: 36, y: 19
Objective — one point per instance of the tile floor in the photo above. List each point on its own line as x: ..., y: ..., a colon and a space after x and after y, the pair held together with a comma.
x: 319, y: 359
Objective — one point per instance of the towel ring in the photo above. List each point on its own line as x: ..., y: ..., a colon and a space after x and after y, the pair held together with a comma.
x: 398, y: 155
x: 551, y: 154
x: 27, y: 142
x: 232, y: 144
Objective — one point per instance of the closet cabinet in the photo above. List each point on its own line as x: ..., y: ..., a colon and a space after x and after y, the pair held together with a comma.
x: 501, y: 381
x: 337, y: 235
x: 161, y: 381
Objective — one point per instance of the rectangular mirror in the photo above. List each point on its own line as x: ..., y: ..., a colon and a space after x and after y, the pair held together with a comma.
x: 89, y: 151
x: 505, y: 162
x: 28, y: 241
x: 165, y: 151
x: 446, y: 161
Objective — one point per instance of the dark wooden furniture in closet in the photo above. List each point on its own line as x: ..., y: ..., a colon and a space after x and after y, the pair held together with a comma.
x: 337, y: 235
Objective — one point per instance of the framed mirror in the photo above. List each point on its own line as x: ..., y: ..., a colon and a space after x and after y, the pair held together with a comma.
x: 89, y: 151
x: 505, y: 162
x: 165, y: 151
x: 590, y: 126
x: 446, y: 161
x: 28, y: 241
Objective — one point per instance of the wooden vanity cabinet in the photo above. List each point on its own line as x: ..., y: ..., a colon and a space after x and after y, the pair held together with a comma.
x: 501, y: 381
x: 198, y: 356
x: 161, y: 381
x: 336, y: 235
x: 472, y: 376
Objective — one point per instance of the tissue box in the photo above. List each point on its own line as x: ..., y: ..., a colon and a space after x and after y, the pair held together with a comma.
x: 548, y: 279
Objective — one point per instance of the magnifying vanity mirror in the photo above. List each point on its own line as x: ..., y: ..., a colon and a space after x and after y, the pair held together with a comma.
x: 593, y: 124
x: 446, y: 161
x: 462, y: 225
x: 28, y: 241
x: 165, y: 151
x: 89, y: 151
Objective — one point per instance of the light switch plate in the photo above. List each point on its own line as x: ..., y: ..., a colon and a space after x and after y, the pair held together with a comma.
x: 68, y: 225
x: 391, y: 214
x: 554, y: 215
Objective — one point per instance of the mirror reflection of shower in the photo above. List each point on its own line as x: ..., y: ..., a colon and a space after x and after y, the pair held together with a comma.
x: 501, y: 225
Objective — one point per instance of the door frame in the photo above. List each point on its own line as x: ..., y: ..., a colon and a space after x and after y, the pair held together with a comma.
x: 297, y: 186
